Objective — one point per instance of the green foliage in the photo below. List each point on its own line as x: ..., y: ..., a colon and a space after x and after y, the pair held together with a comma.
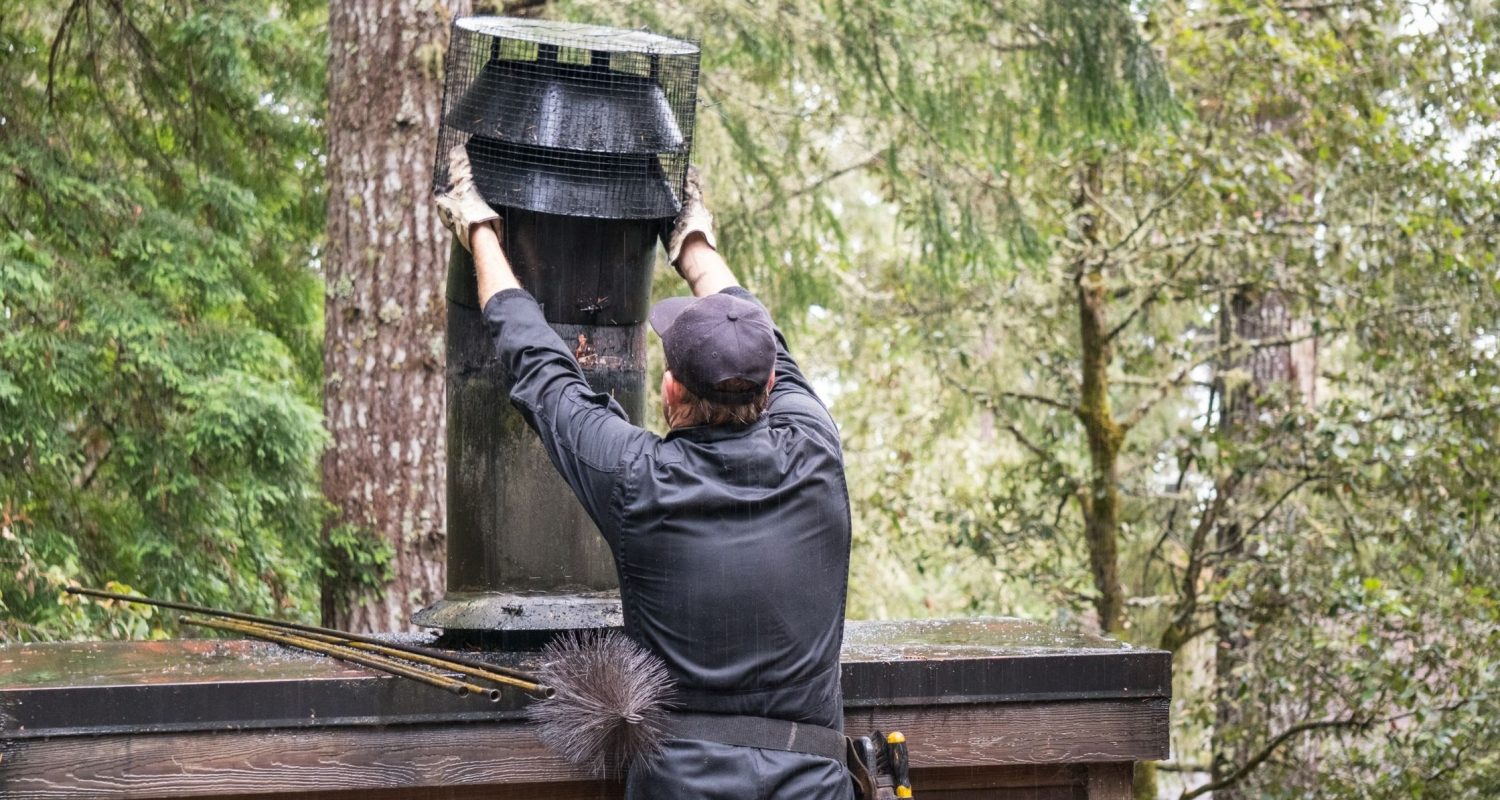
x: 355, y: 557
x: 160, y: 331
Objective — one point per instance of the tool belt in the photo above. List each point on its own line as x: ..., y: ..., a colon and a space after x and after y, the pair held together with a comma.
x: 877, y: 767
x: 762, y: 732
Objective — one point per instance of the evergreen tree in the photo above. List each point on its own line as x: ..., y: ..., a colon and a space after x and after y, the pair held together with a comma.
x: 160, y: 212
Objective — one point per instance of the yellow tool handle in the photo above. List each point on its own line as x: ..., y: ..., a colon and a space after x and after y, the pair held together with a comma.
x: 900, y: 761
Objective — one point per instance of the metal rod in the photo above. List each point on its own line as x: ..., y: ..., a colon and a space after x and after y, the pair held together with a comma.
x: 381, y: 663
x: 530, y: 681
x: 440, y: 663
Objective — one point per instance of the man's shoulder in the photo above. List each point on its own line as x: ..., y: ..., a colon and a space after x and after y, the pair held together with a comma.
x: 806, y: 414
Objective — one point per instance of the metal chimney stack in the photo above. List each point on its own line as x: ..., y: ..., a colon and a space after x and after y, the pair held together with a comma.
x: 579, y: 136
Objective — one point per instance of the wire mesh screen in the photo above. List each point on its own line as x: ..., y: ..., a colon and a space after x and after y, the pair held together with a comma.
x: 571, y: 119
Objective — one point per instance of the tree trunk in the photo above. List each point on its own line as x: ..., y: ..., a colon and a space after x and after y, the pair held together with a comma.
x: 386, y: 258
x: 1100, y: 498
x: 1266, y: 375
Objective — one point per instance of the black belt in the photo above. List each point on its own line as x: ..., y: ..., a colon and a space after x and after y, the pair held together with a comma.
x: 762, y: 732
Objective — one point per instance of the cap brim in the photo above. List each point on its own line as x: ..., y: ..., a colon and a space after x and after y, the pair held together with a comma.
x: 665, y: 313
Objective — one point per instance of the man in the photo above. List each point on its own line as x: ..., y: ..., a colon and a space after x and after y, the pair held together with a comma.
x: 730, y: 534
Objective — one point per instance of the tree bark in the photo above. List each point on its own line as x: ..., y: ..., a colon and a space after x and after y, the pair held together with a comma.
x: 1269, y: 378
x: 386, y: 257
x: 1100, y: 499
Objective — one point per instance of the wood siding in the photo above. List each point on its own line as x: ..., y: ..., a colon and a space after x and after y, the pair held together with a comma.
x: 951, y: 746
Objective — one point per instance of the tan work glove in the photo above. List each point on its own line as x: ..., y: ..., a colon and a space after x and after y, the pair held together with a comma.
x: 694, y: 218
x: 461, y: 206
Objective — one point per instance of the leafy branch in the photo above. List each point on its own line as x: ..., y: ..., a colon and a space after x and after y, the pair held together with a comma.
x: 1155, y: 293
x: 1166, y: 385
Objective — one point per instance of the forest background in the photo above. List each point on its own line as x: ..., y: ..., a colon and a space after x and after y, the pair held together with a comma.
x: 1175, y: 320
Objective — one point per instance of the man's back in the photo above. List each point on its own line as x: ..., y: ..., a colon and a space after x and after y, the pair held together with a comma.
x: 733, y: 551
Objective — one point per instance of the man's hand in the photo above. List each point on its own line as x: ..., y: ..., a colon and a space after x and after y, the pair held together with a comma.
x: 461, y: 206
x: 695, y: 218
x: 691, y: 248
x: 476, y: 226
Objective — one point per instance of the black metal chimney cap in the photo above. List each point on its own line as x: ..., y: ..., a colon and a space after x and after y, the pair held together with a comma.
x: 564, y: 106
x: 602, y: 185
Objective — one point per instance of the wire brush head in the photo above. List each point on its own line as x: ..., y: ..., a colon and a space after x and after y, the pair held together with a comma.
x: 611, y: 705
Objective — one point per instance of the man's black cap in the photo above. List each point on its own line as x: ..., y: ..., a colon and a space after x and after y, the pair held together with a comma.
x: 709, y: 340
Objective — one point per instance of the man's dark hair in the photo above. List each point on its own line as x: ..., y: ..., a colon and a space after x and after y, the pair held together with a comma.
x: 694, y: 410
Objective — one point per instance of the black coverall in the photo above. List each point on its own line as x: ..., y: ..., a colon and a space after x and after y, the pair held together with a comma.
x: 732, y: 546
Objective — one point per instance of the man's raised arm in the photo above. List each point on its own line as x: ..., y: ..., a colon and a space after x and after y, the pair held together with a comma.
x: 692, y: 250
